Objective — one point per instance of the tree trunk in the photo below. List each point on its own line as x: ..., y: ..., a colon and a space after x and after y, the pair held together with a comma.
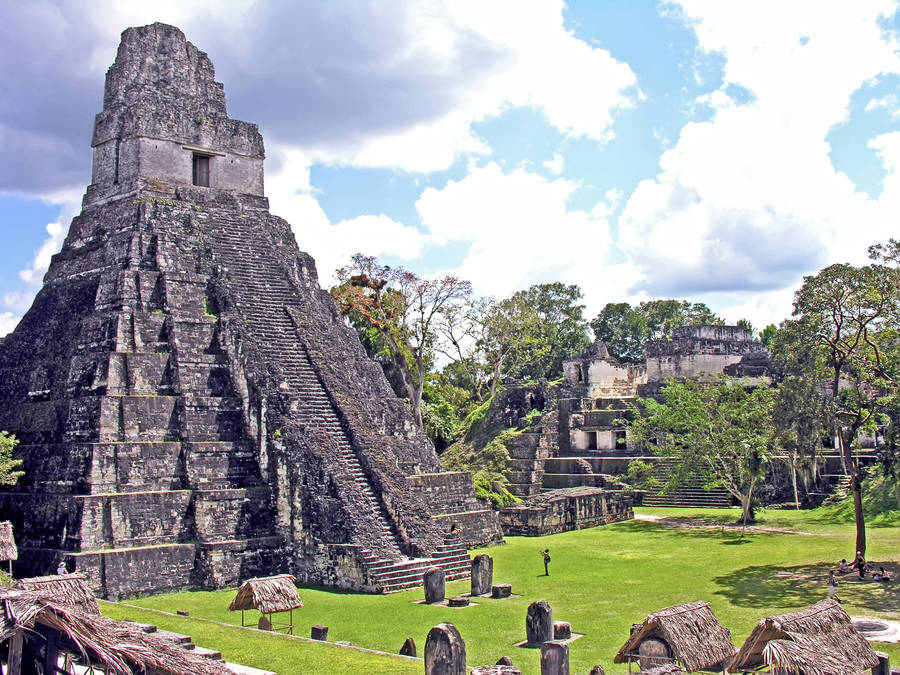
x: 417, y: 401
x: 794, y: 482
x: 747, y: 515
x: 856, y: 485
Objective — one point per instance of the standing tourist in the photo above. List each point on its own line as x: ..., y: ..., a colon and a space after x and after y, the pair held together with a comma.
x: 546, y: 554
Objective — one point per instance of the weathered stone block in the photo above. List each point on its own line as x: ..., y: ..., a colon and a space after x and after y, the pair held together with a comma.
x: 319, y: 632
x: 554, y: 658
x: 482, y: 574
x: 539, y: 623
x: 460, y: 601
x: 445, y: 651
x: 434, y: 581
x: 562, y: 630
x: 501, y: 590
x: 408, y: 648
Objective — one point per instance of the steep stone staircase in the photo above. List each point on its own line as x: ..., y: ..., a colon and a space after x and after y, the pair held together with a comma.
x: 690, y: 494
x: 394, y: 576
x: 239, y: 248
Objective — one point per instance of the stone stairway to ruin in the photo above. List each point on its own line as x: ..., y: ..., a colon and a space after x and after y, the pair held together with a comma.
x: 262, y: 282
x: 240, y: 249
x: 690, y: 494
x: 393, y: 576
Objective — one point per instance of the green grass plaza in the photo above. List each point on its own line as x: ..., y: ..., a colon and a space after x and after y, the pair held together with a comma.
x: 602, y: 580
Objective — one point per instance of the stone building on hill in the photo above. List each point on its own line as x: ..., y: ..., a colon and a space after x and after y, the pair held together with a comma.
x: 191, y: 408
x: 580, y: 440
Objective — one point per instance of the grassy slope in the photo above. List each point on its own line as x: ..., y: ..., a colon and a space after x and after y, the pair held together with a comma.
x: 602, y: 580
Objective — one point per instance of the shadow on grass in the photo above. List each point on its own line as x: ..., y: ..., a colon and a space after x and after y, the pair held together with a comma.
x: 778, y: 586
x: 688, y: 527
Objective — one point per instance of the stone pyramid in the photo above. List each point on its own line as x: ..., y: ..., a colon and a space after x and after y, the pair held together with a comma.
x: 191, y: 408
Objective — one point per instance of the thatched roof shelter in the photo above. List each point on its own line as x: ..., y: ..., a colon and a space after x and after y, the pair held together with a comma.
x: 64, y: 590
x: 8, y: 550
x: 268, y: 595
x: 691, y: 632
x: 29, y: 620
x: 818, y: 640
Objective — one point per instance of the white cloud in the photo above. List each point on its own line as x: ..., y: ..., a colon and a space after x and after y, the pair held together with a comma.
x: 555, y: 165
x: 750, y: 199
x: 531, y: 61
x: 332, y: 244
x: 35, y: 272
x: 519, y: 231
x: 771, y: 307
x: 610, y: 204
x: 18, y: 300
x: 8, y: 321
x: 888, y: 102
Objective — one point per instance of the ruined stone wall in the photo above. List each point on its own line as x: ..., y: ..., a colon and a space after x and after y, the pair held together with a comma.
x: 565, y: 510
x: 698, y: 352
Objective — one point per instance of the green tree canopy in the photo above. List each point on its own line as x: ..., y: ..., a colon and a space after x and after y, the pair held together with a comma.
x: 9, y: 465
x: 404, y: 309
x: 626, y: 329
x: 844, y: 339
x: 722, y: 432
x: 554, y: 329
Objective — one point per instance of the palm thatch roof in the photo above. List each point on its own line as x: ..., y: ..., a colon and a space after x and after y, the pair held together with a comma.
x: 818, y: 640
x: 693, y: 633
x: 268, y: 595
x: 122, y: 646
x: 8, y: 550
x: 66, y: 590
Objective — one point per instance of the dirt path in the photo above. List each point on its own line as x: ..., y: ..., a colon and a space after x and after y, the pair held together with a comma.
x: 682, y: 522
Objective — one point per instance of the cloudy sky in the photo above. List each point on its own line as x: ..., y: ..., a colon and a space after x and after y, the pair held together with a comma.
x: 716, y: 150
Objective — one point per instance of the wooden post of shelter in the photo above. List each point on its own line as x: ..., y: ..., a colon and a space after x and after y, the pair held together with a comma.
x: 51, y: 650
x: 14, y: 659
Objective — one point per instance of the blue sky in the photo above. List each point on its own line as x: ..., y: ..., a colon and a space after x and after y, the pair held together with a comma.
x: 710, y: 150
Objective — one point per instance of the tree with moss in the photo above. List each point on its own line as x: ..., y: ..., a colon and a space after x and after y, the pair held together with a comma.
x: 9, y: 465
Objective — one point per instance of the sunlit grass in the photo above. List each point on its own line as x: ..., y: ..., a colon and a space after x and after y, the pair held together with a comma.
x: 602, y: 580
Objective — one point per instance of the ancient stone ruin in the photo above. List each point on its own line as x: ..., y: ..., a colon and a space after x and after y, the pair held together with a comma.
x: 191, y: 408
x: 564, y: 461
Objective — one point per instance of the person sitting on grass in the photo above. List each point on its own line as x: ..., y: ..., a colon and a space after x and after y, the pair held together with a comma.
x: 844, y: 566
x: 881, y: 575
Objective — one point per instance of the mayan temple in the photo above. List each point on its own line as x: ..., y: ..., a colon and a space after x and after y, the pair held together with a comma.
x: 191, y: 407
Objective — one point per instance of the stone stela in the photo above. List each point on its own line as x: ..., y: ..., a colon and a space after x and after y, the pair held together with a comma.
x: 191, y: 408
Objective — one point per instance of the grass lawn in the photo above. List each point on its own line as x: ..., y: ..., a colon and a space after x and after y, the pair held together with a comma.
x: 601, y: 581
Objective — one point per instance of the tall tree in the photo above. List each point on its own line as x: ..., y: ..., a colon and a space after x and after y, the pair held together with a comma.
x: 404, y: 308
x: 559, y: 330
x: 843, y: 338
x: 623, y: 329
x: 721, y: 432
